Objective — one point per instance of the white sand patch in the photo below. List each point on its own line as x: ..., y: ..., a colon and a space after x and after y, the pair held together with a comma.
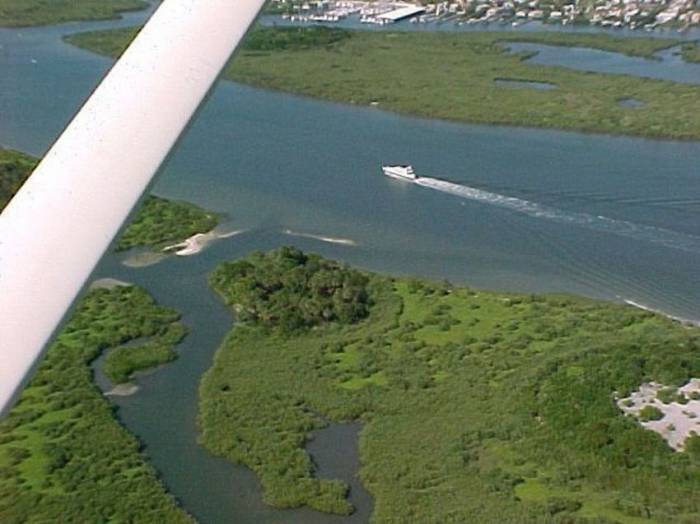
x: 332, y: 240
x: 190, y: 246
x: 108, y: 283
x: 198, y: 242
x: 122, y: 390
x: 679, y: 420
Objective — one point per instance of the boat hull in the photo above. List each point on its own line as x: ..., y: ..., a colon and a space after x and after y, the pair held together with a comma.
x: 400, y: 177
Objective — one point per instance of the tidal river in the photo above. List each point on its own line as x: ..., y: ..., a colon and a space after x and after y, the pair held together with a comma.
x: 546, y: 211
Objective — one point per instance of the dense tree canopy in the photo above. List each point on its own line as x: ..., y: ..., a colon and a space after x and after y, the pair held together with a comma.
x: 476, y: 406
x: 291, y: 290
x: 288, y: 38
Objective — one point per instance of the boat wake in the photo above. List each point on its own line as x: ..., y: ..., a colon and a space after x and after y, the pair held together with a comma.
x: 332, y: 240
x: 656, y: 235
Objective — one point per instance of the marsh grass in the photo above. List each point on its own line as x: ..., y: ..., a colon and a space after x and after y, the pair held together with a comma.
x: 21, y: 13
x: 452, y: 76
x: 476, y: 406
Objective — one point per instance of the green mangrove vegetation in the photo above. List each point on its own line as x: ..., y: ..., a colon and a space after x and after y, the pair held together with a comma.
x: 270, y: 39
x: 648, y: 413
x: 476, y: 406
x: 691, y: 52
x: 110, y: 42
x: 158, y: 222
x: 668, y: 395
x: 292, y: 290
x: 20, y: 13
x: 453, y: 76
x: 63, y: 455
x: 15, y: 167
x: 121, y: 362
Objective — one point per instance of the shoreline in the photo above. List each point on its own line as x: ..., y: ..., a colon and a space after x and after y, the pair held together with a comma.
x: 193, y: 245
x: 258, y: 358
x: 375, y: 105
x: 684, y: 321
x: 108, y: 283
x: 122, y: 390
x: 681, y: 31
x: 198, y: 242
x: 249, y: 72
x: 165, y: 268
x: 117, y: 13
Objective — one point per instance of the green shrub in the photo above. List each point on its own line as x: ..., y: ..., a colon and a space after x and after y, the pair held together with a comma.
x: 668, y: 395
x: 692, y: 446
x: 648, y: 413
x: 560, y: 504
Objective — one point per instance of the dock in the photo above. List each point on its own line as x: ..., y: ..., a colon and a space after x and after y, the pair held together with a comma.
x: 402, y: 12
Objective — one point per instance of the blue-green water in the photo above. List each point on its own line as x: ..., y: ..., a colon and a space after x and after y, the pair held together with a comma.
x: 613, y: 217
x: 668, y: 64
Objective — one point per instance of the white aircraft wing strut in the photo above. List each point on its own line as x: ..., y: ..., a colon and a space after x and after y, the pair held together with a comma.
x: 55, y: 230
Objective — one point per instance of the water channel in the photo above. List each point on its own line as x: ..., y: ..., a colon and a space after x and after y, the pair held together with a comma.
x: 278, y: 164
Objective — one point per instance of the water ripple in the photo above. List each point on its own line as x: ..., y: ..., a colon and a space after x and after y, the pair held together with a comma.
x: 656, y: 235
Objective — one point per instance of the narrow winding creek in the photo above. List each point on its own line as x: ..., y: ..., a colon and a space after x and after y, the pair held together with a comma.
x: 290, y: 170
x: 163, y: 412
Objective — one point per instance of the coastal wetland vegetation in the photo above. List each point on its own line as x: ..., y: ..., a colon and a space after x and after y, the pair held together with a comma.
x: 123, y: 361
x: 21, y: 13
x: 476, y: 406
x: 15, y: 167
x: 157, y: 223
x: 63, y: 455
x: 453, y: 76
x: 161, y: 221
x: 691, y: 52
x: 479, y: 406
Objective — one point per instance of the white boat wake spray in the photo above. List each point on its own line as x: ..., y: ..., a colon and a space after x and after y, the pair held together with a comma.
x: 624, y: 228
